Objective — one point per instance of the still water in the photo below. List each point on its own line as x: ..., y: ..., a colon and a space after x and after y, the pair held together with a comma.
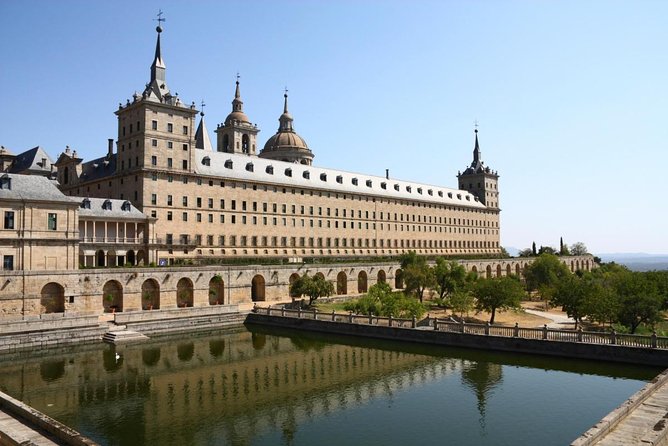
x: 259, y: 386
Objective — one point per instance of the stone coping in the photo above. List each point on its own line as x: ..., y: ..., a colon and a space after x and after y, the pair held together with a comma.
x: 57, y: 321
x: 130, y: 317
x: 42, y: 422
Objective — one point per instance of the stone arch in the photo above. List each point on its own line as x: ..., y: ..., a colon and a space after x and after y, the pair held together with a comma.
x: 185, y: 351
x: 150, y: 356
x: 100, y: 258
x: 216, y: 347
x: 112, y: 296
x: 577, y: 265
x: 382, y: 277
x: 572, y: 266
x: 112, y: 258
x: 320, y: 275
x: 130, y: 257
x: 518, y: 270
x: 141, y: 257
x: 52, y: 370
x: 474, y: 269
x: 245, y: 144
x: 498, y: 271
x: 489, y: 272
x: 216, y: 290
x: 293, y: 278
x: 341, y: 283
x: 184, y: 292
x: 587, y: 265
x: 53, y: 298
x: 362, y: 282
x: 509, y: 270
x: 150, y: 295
x: 257, y: 288
x: 399, y: 279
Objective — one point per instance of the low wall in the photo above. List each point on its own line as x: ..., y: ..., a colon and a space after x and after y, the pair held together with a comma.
x: 48, y: 322
x: 181, y: 319
x: 36, y: 420
x: 615, y: 353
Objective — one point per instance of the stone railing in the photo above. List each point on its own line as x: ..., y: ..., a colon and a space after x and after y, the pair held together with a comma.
x: 548, y: 334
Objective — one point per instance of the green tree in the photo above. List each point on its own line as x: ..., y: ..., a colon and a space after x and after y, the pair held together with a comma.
x: 461, y: 301
x: 525, y: 253
x: 499, y: 293
x: 313, y: 287
x: 533, y: 249
x: 563, y: 248
x: 578, y: 249
x: 577, y: 296
x: 449, y: 276
x: 639, y: 300
x: 418, y: 275
x: 545, y: 271
x: 546, y: 250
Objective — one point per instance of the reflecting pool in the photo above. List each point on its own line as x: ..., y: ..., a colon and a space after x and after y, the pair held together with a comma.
x: 260, y: 386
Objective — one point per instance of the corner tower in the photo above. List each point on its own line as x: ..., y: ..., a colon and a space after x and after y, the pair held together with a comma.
x: 237, y: 134
x: 480, y: 180
x: 286, y: 144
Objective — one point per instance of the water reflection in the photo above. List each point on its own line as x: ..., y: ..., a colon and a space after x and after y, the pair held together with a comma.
x: 234, y: 387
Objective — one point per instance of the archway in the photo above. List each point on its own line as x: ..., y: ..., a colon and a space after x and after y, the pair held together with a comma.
x: 381, y: 276
x: 52, y: 370
x: 572, y: 266
x: 257, y: 289
x: 341, y: 283
x: 53, y: 298
x: 185, y: 351
x: 577, y: 265
x: 112, y: 258
x: 130, y: 257
x: 489, y: 272
x: 361, y: 282
x: 509, y: 270
x: 517, y: 270
x: 293, y: 279
x: 141, y: 257
x: 319, y: 275
x: 100, y: 258
x: 216, y: 290
x: 498, y: 271
x: 150, y: 356
x: 112, y: 296
x: 399, y: 279
x: 150, y: 295
x: 474, y: 269
x: 184, y: 293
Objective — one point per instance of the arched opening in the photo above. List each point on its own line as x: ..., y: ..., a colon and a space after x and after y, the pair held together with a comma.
x: 184, y: 293
x: 577, y: 265
x: 112, y: 296
x: 257, y: 289
x: 216, y: 347
x: 258, y: 340
x: 53, y: 298
x: 517, y: 270
x: 100, y: 258
x: 52, y: 370
x: 293, y: 279
x: 111, y: 258
x: 66, y: 175
x: 185, y: 352
x: 141, y: 257
x: 150, y: 295
x: 474, y: 269
x: 498, y: 270
x: 381, y: 276
x: 399, y: 279
x: 320, y: 276
x: 341, y: 283
x: 245, y: 144
x: 130, y: 258
x: 361, y: 282
x: 226, y: 143
x: 572, y: 266
x: 587, y: 265
x: 216, y: 290
x: 489, y: 272
x: 150, y: 356
x: 509, y: 270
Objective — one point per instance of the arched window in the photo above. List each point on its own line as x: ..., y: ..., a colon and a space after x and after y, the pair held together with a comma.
x: 245, y: 146
x: 226, y: 143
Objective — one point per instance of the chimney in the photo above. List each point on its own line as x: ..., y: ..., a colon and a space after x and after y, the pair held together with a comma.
x: 387, y: 174
x: 111, y: 147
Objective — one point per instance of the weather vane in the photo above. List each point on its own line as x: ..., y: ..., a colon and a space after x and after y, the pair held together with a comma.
x: 160, y: 19
x: 201, y: 113
x: 286, y: 90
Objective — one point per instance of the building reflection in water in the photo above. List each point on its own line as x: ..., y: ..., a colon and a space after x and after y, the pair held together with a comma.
x: 482, y: 377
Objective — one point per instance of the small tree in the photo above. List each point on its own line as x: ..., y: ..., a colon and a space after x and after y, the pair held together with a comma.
x: 533, y: 249
x: 525, y: 253
x: 499, y: 293
x: 639, y: 301
x: 449, y: 276
x: 578, y: 249
x: 313, y: 287
x: 462, y: 301
x: 418, y: 276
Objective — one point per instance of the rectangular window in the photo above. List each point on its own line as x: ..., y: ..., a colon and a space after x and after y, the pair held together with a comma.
x: 170, y: 127
x: 154, y: 143
x: 169, y: 216
x: 154, y: 125
x: 185, y: 216
x: 185, y: 164
x: 154, y: 160
x: 185, y: 147
x: 185, y: 201
x: 199, y: 217
x: 210, y: 203
x: 199, y: 202
x: 169, y: 162
x: 154, y: 199
x: 8, y: 263
x: 185, y: 129
x: 52, y: 222
x: 9, y: 219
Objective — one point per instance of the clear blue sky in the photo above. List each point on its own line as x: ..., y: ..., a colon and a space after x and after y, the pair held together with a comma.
x: 571, y: 96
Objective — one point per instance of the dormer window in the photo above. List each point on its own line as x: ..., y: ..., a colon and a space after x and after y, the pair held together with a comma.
x: 288, y: 172
x: 249, y: 167
x: 459, y: 196
x: 126, y: 206
x: 440, y: 193
x: 5, y: 182
x: 323, y: 177
x: 339, y: 179
x: 369, y: 183
x: 408, y: 189
x: 354, y: 181
x: 430, y: 192
x: 228, y: 164
x: 383, y: 185
x: 449, y: 194
x: 206, y: 161
x: 468, y: 198
x: 106, y: 205
x: 85, y: 204
x: 269, y: 170
x: 419, y: 190
x: 306, y: 174
x: 396, y: 187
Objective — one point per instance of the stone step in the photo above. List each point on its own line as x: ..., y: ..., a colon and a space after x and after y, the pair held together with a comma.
x: 123, y: 336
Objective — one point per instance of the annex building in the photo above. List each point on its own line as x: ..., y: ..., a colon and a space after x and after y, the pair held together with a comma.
x: 236, y: 199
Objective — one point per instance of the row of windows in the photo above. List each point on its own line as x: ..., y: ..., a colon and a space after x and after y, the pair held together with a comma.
x: 154, y: 126
x: 170, y: 162
x: 51, y: 221
x: 329, y: 242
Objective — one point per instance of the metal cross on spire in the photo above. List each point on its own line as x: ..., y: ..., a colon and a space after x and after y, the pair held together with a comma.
x: 238, y: 76
x: 475, y: 124
x: 160, y: 19
x: 201, y: 113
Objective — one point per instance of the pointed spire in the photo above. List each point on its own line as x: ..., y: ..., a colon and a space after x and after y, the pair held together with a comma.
x: 237, y: 103
x: 476, y: 151
x: 202, y: 140
x: 285, y: 119
x: 285, y: 102
x: 158, y: 66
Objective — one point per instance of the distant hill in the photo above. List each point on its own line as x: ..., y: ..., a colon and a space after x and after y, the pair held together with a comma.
x: 512, y: 251
x: 638, y: 261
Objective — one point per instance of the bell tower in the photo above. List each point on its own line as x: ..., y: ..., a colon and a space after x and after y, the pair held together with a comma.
x: 480, y: 180
x: 237, y: 134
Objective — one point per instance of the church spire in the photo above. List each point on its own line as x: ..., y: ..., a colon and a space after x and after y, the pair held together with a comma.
x: 237, y: 103
x: 202, y: 140
x: 476, y: 151
x: 285, y: 120
x: 158, y: 66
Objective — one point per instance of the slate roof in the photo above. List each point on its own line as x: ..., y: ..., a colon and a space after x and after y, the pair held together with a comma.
x: 98, y: 168
x: 116, y: 212
x: 31, y: 160
x: 32, y: 187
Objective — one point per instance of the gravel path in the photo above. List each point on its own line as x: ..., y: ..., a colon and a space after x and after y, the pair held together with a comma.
x: 559, y: 321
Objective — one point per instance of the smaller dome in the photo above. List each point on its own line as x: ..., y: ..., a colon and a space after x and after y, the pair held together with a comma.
x: 236, y: 116
x: 285, y: 141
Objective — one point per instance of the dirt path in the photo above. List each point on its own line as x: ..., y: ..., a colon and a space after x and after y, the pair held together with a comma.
x: 559, y: 320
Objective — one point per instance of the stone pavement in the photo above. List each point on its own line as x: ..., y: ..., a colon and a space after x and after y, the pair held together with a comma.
x: 15, y: 430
